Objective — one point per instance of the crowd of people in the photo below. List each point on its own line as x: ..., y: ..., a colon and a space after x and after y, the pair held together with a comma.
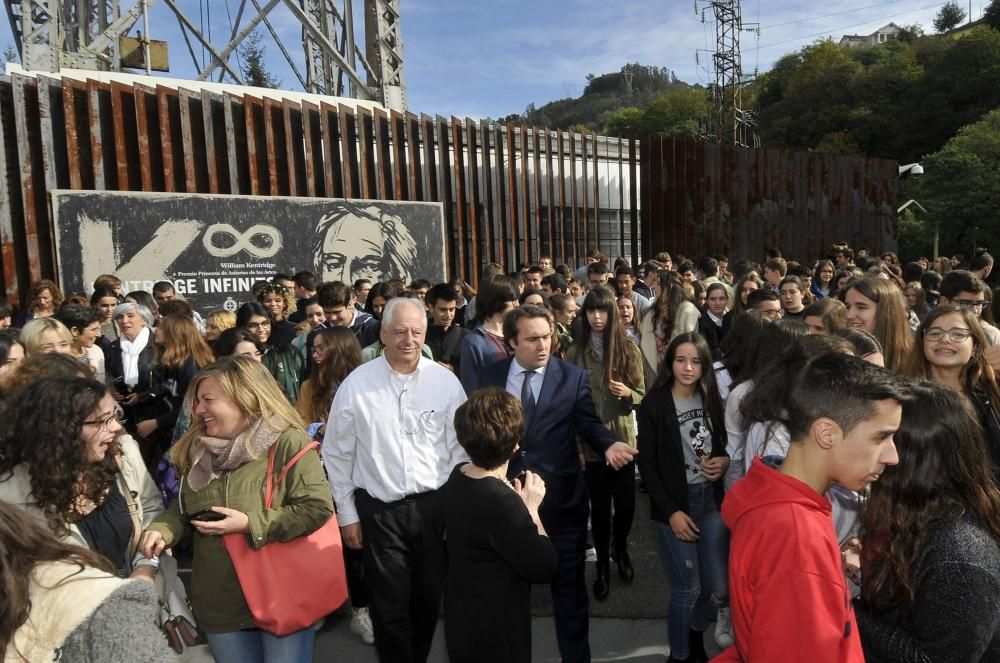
x: 818, y: 441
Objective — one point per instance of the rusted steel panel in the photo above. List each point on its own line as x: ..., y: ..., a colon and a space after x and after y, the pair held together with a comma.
x: 194, y: 142
x: 253, y: 117
x: 102, y: 135
x: 489, y: 250
x: 415, y: 169
x: 126, y: 140
x: 460, y: 196
x: 550, y: 201
x: 447, y: 195
x: 539, y: 202
x: 574, y: 205
x: 585, y: 191
x: 277, y: 152
x: 213, y: 122
x: 171, y: 139
x: 13, y: 253
x: 597, y: 193
x: 312, y: 142
x: 514, y: 222
x: 332, y: 160
x: 149, y: 159
x: 238, y: 160
x: 560, y: 151
x: 81, y: 175
x: 349, y: 152
x: 502, y: 234
x: 294, y: 147
x: 430, y: 178
x: 397, y: 130
x: 525, y: 221
x: 474, y: 200
x: 52, y: 122
x: 382, y: 160
x: 366, y: 153
x: 36, y: 228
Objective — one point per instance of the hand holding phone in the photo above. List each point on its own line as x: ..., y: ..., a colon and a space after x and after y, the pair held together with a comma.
x: 207, y: 515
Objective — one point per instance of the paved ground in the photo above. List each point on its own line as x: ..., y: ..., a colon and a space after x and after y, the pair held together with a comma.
x: 630, y: 626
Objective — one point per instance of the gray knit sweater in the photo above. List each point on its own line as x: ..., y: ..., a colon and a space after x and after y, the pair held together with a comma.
x: 122, y: 630
x: 956, y: 616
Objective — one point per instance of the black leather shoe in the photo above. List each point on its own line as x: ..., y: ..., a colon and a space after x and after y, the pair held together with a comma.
x: 696, y: 647
x: 625, y: 569
x: 601, y: 581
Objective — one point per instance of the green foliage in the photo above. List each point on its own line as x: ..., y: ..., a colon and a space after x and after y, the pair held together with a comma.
x: 961, y: 187
x: 950, y: 16
x: 254, y: 55
x: 899, y: 100
x: 991, y: 15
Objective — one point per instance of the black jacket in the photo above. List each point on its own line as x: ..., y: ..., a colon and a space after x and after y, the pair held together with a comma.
x: 990, y: 421
x: 713, y: 334
x: 661, y: 456
x: 150, y: 404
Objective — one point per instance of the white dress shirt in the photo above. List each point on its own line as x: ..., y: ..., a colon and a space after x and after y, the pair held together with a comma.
x: 515, y: 380
x: 390, y: 434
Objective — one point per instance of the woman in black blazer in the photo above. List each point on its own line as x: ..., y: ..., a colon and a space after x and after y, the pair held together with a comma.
x: 683, y: 459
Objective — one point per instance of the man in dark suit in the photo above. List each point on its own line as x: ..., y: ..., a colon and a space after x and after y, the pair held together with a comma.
x: 557, y: 408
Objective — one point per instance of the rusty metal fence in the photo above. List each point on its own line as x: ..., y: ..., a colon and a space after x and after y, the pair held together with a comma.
x: 510, y: 194
x: 700, y: 199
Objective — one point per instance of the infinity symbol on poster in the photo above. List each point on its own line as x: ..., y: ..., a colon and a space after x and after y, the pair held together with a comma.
x: 264, y: 248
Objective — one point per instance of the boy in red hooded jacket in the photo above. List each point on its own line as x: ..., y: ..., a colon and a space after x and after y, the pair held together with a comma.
x: 789, y: 598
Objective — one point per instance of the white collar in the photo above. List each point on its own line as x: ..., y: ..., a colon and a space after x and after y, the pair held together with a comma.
x: 517, y: 369
x: 717, y: 321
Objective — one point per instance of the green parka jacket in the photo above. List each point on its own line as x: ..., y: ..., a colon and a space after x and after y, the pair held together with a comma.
x: 301, y: 505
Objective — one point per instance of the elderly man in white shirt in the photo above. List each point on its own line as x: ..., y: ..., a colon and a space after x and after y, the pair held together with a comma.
x: 390, y: 444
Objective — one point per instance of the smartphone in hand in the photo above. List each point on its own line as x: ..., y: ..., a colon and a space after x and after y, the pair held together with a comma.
x: 207, y: 516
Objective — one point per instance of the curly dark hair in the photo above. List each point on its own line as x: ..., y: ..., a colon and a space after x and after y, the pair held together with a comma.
x: 48, y: 442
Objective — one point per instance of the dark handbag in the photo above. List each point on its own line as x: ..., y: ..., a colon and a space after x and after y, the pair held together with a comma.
x: 313, y: 564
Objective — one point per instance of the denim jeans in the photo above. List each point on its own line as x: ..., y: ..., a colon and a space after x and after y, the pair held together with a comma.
x: 698, y: 571
x: 256, y: 646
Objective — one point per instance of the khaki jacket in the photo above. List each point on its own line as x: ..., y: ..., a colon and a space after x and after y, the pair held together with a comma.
x: 686, y: 320
x: 302, y: 504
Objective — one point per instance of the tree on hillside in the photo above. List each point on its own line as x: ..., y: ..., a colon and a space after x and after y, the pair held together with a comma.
x: 962, y: 184
x: 949, y: 17
x: 991, y: 15
x: 909, y: 33
x: 254, y: 71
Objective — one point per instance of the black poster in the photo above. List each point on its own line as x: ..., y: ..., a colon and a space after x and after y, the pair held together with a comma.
x: 214, y: 247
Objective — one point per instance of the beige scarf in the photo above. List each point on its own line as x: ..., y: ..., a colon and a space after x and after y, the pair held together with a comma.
x: 212, y: 455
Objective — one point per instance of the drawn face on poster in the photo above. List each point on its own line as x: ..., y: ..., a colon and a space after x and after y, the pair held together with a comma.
x: 363, y: 241
x: 214, y: 247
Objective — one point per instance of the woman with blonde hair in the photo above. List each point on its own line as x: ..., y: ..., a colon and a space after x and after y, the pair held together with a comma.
x: 240, y: 419
x: 218, y: 322
x: 877, y: 306
x: 43, y: 335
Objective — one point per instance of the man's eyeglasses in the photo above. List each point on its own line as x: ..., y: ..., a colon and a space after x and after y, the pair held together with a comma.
x: 968, y: 303
x: 954, y: 335
x: 105, y: 423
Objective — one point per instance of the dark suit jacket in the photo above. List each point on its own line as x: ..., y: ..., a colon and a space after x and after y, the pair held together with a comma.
x: 564, y: 411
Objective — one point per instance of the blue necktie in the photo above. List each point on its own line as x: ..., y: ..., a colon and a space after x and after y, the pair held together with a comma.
x: 527, y: 395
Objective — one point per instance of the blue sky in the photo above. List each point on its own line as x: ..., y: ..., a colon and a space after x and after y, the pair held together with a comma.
x: 491, y: 58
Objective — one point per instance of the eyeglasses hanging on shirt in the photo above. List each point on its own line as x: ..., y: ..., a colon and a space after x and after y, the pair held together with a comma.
x: 417, y: 423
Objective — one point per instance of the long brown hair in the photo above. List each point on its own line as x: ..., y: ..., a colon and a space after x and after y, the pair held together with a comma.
x: 892, y: 326
x: 24, y: 544
x: 977, y: 375
x: 343, y: 355
x: 620, y: 363
x: 181, y: 341
x: 706, y: 384
x: 943, y: 472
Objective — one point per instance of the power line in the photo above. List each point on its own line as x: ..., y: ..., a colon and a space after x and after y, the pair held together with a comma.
x: 848, y: 27
x: 816, y: 18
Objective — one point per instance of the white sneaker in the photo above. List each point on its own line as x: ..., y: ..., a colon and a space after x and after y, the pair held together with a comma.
x: 724, y: 629
x: 590, y: 555
x: 361, y: 623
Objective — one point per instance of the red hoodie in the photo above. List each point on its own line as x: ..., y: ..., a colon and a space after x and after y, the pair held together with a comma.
x: 787, y: 590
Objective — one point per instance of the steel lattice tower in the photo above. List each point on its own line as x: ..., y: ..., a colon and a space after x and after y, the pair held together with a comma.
x: 731, y: 123
x: 85, y: 34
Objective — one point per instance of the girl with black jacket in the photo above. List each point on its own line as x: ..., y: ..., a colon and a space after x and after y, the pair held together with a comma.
x: 683, y: 459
